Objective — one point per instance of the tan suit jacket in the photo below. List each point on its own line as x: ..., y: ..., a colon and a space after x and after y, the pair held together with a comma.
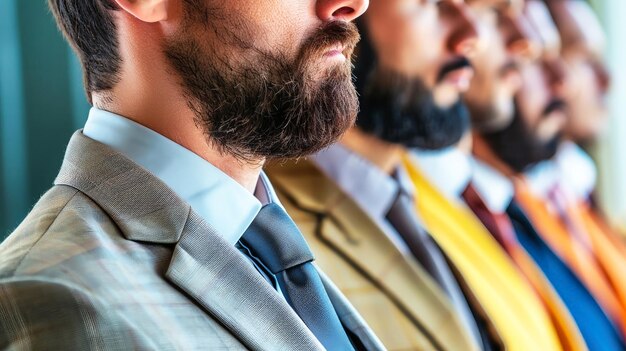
x: 111, y: 259
x: 397, y: 298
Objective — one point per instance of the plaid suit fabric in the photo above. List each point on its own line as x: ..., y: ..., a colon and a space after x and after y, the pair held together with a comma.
x: 111, y: 259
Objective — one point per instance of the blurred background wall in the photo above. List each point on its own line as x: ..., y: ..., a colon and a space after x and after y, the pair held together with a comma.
x: 42, y: 103
x: 610, y: 152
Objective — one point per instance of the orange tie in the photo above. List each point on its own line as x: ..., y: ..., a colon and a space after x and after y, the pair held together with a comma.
x: 613, y: 235
x: 609, y: 253
x: 584, y: 229
x: 576, y: 254
x: 501, y: 228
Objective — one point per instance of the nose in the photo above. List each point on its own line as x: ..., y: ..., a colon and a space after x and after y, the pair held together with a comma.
x: 555, y: 73
x: 519, y: 39
x: 603, y: 76
x: 463, y: 36
x: 344, y: 10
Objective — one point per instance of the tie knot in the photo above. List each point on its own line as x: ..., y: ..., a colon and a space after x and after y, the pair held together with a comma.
x: 276, y: 240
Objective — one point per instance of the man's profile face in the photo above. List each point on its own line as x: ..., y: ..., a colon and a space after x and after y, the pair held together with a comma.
x: 542, y: 95
x: 268, y: 78
x: 411, y: 94
x: 588, y: 79
x: 539, y: 115
x: 506, y: 43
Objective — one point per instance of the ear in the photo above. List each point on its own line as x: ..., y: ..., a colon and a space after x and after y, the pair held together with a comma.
x: 150, y: 11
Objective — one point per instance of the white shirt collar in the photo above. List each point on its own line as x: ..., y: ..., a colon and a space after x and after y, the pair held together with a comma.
x: 448, y: 169
x: 577, y: 171
x: 221, y: 201
x: 543, y: 177
x: 494, y: 188
x: 373, y: 190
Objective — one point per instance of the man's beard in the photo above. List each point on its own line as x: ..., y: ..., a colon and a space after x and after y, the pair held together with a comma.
x: 518, y: 146
x: 402, y: 110
x: 267, y: 106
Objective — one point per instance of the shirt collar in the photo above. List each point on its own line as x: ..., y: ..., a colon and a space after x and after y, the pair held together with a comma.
x: 577, y: 171
x: 371, y: 188
x: 449, y: 169
x: 216, y: 197
x: 543, y: 177
x: 494, y: 188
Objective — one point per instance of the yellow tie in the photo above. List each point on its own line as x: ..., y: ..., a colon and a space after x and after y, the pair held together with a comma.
x: 506, y: 297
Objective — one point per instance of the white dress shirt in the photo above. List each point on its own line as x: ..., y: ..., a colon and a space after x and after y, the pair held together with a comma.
x: 495, y: 189
x: 373, y: 190
x: 449, y: 169
x: 452, y: 170
x: 578, y: 172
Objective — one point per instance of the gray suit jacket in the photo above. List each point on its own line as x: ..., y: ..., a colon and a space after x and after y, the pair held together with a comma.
x: 111, y: 259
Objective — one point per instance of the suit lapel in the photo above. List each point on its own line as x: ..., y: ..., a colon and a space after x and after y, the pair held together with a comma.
x: 208, y: 269
x: 346, y: 229
x: 349, y: 316
x: 219, y: 279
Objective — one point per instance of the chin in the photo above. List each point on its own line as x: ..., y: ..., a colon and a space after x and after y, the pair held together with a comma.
x: 492, y: 119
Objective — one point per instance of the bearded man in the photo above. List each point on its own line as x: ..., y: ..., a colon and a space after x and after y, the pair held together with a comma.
x: 357, y: 203
x: 161, y: 231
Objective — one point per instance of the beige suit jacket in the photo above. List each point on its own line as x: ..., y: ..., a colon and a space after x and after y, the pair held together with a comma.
x: 111, y: 259
x: 397, y: 298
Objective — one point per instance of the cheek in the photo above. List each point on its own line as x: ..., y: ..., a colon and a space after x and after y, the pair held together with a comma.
x: 585, y: 100
x: 275, y: 26
x: 533, y: 95
x: 408, y: 43
x: 582, y: 82
x: 487, y: 67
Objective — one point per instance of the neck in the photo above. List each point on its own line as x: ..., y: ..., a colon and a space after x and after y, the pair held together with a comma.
x: 149, y: 95
x: 483, y: 152
x: 382, y: 154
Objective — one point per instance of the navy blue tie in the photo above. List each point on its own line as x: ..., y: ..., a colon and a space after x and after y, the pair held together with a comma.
x: 276, y: 240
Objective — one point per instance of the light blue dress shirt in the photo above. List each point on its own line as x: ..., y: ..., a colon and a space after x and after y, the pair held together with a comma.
x: 216, y: 197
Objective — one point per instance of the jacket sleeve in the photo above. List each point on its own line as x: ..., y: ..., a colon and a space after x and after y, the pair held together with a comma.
x: 43, y: 315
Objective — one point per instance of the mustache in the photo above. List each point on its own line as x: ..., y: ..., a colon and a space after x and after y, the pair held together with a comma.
x: 455, y: 64
x: 556, y: 104
x: 328, y: 36
x: 511, y: 66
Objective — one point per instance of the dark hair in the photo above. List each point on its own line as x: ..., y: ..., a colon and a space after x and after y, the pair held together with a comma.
x: 89, y: 27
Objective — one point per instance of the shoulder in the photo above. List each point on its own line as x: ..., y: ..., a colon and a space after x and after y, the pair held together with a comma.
x: 43, y: 314
x: 304, y: 186
x: 58, y: 227
x: 33, y: 227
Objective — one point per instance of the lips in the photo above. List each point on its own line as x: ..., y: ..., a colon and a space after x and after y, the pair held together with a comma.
x: 457, y: 73
x: 337, y: 52
x: 459, y: 78
x: 452, y: 66
x: 555, y: 105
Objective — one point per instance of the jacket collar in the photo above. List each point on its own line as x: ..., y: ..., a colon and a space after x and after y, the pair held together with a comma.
x: 206, y: 267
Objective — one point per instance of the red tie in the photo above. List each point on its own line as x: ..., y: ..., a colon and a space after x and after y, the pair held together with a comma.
x: 498, y: 224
